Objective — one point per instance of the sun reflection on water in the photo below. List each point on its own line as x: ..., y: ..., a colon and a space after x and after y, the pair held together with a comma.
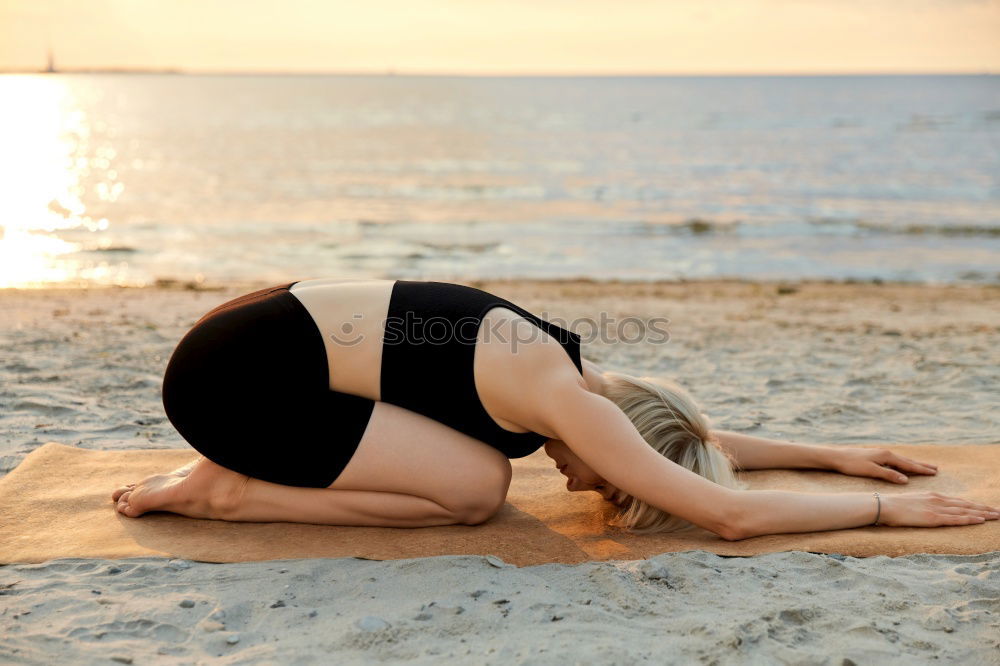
x: 44, y: 170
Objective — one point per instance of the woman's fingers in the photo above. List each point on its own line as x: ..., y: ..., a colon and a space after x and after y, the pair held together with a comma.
x: 960, y: 520
x: 910, y: 465
x: 967, y: 511
x: 881, y: 472
x: 964, y: 503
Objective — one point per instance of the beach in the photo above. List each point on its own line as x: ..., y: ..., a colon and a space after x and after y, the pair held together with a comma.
x: 819, y: 362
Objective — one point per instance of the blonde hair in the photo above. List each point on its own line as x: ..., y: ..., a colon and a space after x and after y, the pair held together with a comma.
x: 670, y: 422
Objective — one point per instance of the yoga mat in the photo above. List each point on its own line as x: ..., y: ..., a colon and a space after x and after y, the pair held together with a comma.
x: 57, y: 503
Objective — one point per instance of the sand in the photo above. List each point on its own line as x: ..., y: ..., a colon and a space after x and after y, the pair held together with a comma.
x: 822, y: 363
x: 693, y: 607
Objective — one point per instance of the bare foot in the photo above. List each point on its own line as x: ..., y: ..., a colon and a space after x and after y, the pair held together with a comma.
x: 199, y: 489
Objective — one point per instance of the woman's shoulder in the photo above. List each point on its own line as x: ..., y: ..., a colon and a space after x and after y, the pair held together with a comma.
x: 526, y: 353
x: 529, y: 338
x: 521, y: 372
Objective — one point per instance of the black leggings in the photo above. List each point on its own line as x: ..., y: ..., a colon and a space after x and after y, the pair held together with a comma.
x: 249, y: 388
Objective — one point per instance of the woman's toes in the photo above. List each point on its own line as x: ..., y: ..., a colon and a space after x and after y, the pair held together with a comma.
x: 118, y: 492
x: 199, y: 489
x: 126, y: 507
x: 127, y: 510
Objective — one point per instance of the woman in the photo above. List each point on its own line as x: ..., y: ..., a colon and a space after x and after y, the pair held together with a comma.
x: 400, y: 403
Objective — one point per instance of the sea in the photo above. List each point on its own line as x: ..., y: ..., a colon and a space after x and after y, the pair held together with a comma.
x: 138, y: 179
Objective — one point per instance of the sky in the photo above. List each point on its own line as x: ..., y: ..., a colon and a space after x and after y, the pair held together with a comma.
x: 507, y: 36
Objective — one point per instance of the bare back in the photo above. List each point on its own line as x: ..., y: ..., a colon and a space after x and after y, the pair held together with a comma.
x: 351, y: 315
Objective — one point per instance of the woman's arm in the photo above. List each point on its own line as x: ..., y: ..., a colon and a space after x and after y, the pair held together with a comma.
x: 760, y: 453
x: 879, y: 463
x: 779, y: 511
x: 752, y: 452
x: 604, y: 438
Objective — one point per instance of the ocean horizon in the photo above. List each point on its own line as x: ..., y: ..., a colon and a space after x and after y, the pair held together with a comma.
x: 137, y: 178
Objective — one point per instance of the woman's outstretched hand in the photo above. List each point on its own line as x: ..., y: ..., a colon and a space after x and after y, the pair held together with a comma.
x: 917, y: 509
x: 922, y: 509
x: 878, y: 463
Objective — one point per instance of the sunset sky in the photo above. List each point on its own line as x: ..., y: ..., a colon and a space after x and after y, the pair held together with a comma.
x: 507, y: 36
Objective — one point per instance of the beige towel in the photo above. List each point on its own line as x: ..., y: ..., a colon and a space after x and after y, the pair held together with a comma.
x: 57, y: 503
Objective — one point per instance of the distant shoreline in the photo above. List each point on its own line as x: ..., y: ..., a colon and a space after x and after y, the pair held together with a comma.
x: 714, y: 285
x: 389, y: 73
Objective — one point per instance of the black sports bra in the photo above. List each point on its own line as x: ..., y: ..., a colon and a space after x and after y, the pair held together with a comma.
x: 428, y: 352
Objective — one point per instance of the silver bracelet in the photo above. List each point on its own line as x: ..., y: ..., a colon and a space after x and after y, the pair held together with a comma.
x: 879, y: 512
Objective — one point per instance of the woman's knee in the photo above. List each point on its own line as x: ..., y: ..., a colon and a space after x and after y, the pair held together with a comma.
x: 489, y: 497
